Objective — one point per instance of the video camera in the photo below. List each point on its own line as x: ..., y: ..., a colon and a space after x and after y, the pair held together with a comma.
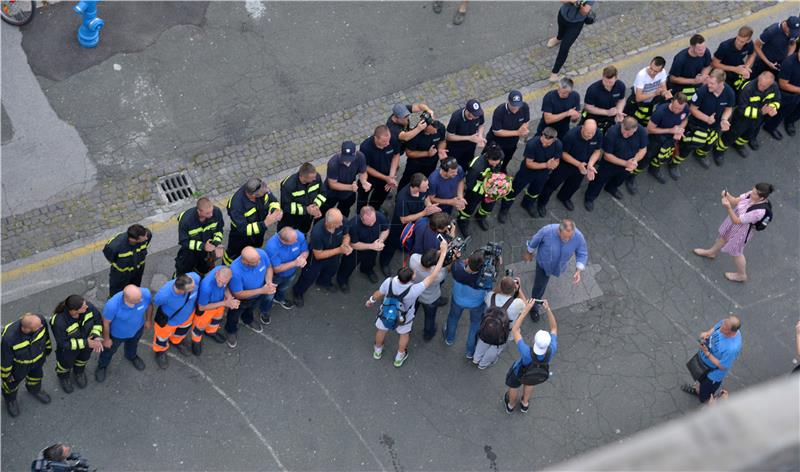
x: 454, y: 246
x: 492, y: 254
x: 426, y: 117
x: 73, y: 463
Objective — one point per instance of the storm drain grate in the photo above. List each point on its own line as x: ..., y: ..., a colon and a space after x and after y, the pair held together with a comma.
x: 175, y: 187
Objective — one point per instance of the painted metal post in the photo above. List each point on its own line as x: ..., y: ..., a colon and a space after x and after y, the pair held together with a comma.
x: 89, y: 31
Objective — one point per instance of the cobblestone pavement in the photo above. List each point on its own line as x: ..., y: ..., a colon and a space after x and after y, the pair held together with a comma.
x: 117, y: 203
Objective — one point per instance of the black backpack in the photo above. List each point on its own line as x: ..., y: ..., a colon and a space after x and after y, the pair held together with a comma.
x: 761, y: 224
x: 537, y: 372
x: 495, y: 323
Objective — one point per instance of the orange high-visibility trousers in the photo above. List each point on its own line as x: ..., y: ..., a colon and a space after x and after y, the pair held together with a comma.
x: 162, y: 337
x: 208, y: 322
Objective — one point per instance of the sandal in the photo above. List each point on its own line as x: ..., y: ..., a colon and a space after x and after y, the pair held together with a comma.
x: 734, y: 277
x: 459, y: 18
x: 437, y: 7
x: 702, y: 253
x: 689, y: 389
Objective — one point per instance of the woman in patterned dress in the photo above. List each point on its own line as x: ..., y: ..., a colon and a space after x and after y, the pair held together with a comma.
x: 735, y: 230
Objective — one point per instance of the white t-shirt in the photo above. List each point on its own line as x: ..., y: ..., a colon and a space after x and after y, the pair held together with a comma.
x: 514, y: 310
x: 432, y: 293
x: 648, y: 84
x: 409, y: 300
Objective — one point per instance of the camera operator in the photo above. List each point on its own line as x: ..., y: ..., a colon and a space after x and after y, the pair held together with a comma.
x: 424, y: 152
x: 59, y: 458
x: 440, y: 226
x: 467, y: 295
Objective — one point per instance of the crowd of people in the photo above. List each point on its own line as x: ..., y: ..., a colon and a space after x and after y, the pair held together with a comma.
x: 703, y: 104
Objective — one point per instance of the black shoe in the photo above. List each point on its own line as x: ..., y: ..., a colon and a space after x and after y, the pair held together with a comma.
x: 373, y: 277
x: 742, y: 151
x: 385, y: 270
x: 219, y: 338
x: 66, y: 383
x: 630, y: 185
x: 180, y: 348
x: 41, y: 395
x: 329, y: 288
x: 789, y: 127
x: 615, y: 193
x: 80, y: 379
x: 719, y: 159
x: 502, y: 217
x: 754, y: 144
x: 482, y: 224
x: 161, y: 360
x: 568, y: 204
x: 530, y: 211
x: 463, y: 227
x: 138, y: 363
x: 100, y: 374
x: 285, y: 304
x: 197, y: 348
x: 589, y: 205
x: 298, y: 301
x: 703, y: 161
x: 541, y: 211
x: 657, y: 174
x: 674, y: 172
x: 12, y: 407
x: 775, y: 133
x: 265, y: 318
x: 345, y: 288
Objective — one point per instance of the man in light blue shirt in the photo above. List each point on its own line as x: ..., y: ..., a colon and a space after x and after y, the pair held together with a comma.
x: 287, y: 251
x: 125, y: 316
x: 554, y: 246
x: 175, y: 305
x: 719, y: 347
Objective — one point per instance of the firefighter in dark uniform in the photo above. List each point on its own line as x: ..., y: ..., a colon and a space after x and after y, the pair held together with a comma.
x: 666, y: 127
x: 736, y: 56
x: 465, y: 133
x: 690, y: 67
x: 302, y: 197
x: 789, y: 113
x: 127, y: 252
x: 541, y: 156
x: 425, y: 151
x: 509, y: 123
x: 77, y: 328
x: 605, y: 100
x: 251, y: 210
x: 480, y: 169
x: 200, y: 238
x: 758, y: 98
x: 710, y: 111
x: 25, y: 346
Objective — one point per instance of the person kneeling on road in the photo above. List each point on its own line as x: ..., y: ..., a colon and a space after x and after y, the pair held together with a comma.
x: 533, y: 366
x: 397, y: 310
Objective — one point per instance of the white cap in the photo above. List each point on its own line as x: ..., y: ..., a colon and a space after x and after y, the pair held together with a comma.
x: 541, y: 342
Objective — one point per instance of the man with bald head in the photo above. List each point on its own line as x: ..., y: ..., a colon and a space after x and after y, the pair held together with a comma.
x: 287, y: 252
x: 251, y: 284
x: 583, y: 146
x: 25, y: 345
x: 328, y: 242
x: 125, y: 316
x: 719, y: 347
x: 213, y: 298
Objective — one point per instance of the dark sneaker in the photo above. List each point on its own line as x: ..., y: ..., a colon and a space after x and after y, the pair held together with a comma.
x: 509, y: 410
x: 502, y: 217
x: 138, y: 363
x: 530, y: 211
x: 373, y: 277
x: 329, y: 288
x: 285, y: 304
x: 217, y: 337
x: 385, y: 270
x: 541, y: 211
x: 615, y: 193
x: 255, y: 326
x: 100, y: 374
x: 589, y: 205
x: 80, y: 379
x: 657, y: 174
x: 197, y: 348
x: 790, y: 129
x: 41, y: 395
x: 233, y: 340
x: 482, y: 224
x: 775, y: 133
x: 463, y: 227
x: 12, y: 407
x: 719, y: 159
x: 742, y: 151
x: 523, y: 407
x: 298, y: 301
x: 703, y: 161
x: 630, y: 185
x: 66, y: 383
x: 754, y: 144
x: 345, y: 288
x: 674, y: 173
x: 265, y: 318
x: 568, y: 204
x: 181, y: 349
x: 162, y: 360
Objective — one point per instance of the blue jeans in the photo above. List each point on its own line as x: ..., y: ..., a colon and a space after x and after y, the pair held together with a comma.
x: 280, y: 292
x: 539, y: 285
x: 131, y: 346
x: 245, y: 312
x: 475, y: 316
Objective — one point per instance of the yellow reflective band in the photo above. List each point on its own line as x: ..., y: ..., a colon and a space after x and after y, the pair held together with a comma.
x: 300, y: 209
x: 320, y: 199
x: 81, y: 343
x: 6, y: 369
x: 210, y: 227
x: 249, y: 212
x: 73, y: 345
x: 313, y: 188
x: 142, y: 247
x: 755, y: 99
x: 299, y: 193
x: 228, y: 205
x: 120, y: 269
x: 253, y: 229
x: 769, y: 96
x: 31, y: 361
x: 97, y: 330
x: 125, y: 254
x: 38, y: 336
x: 775, y: 105
x: 478, y: 187
x: 21, y: 345
x: 474, y: 160
x: 72, y: 327
x: 274, y: 206
x: 180, y: 216
x: 195, y: 231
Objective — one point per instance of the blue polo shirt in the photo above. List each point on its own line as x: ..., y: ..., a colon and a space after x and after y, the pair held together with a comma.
x: 598, y: 96
x: 406, y: 204
x: 536, y: 152
x: 461, y: 126
x: 725, y: 349
x: 503, y: 119
x: 210, y: 292
x: 686, y: 66
x: 730, y: 56
x: 126, y: 320
x: 552, y: 103
x: 621, y: 147
x: 664, y: 118
x: 377, y: 158
x: 776, y: 43
x: 424, y: 237
x: 361, y: 233
x: 249, y: 278
x: 280, y: 253
x: 526, y: 353
x: 176, y: 305
x: 709, y: 103
x: 579, y: 148
x: 343, y: 173
x: 790, y: 71
x: 441, y: 187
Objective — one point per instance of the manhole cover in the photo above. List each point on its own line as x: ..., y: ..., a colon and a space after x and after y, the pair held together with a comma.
x: 175, y: 187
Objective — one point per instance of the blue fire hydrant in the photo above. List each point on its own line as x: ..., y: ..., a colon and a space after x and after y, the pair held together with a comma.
x: 89, y: 31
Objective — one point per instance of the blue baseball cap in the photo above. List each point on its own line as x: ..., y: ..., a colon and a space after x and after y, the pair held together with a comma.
x: 515, y: 98
x: 793, y: 22
x: 474, y: 107
x: 349, y: 150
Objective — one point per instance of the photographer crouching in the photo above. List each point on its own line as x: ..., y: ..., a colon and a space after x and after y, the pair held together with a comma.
x: 59, y: 458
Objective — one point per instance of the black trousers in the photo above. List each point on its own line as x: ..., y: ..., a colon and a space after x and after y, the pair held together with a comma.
x: 364, y: 259
x: 531, y: 182
x: 423, y: 165
x: 68, y: 360
x: 31, y: 373
x: 566, y: 176
x: 567, y: 32
x: 237, y: 242
x: 660, y: 150
x: 301, y: 223
x: 463, y: 154
x: 609, y: 177
x: 343, y: 203
x: 119, y: 280
x: 741, y: 131
x: 789, y: 111
x: 475, y: 201
x: 508, y: 153
x: 698, y: 137
x: 193, y: 261
x: 319, y: 271
x: 131, y: 349
x: 374, y: 198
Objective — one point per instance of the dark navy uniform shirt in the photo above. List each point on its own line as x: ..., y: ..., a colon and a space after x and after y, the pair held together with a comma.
x: 621, y: 147
x: 322, y: 240
x: 379, y: 159
x: 423, y: 142
x: 361, y: 233
x: 708, y: 103
x: 598, y: 96
x: 461, y: 126
x: 686, y: 66
x: 730, y: 56
x: 552, y: 103
x: 664, y: 118
x: 536, y: 152
x: 502, y: 118
x: 343, y: 173
x: 407, y: 204
x: 579, y: 148
x: 776, y: 43
x: 790, y: 71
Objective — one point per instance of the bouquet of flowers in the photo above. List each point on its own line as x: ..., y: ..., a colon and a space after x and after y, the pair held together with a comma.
x: 496, y: 186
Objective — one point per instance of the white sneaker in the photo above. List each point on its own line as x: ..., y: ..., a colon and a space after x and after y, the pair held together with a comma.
x: 553, y: 42
x: 554, y: 78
